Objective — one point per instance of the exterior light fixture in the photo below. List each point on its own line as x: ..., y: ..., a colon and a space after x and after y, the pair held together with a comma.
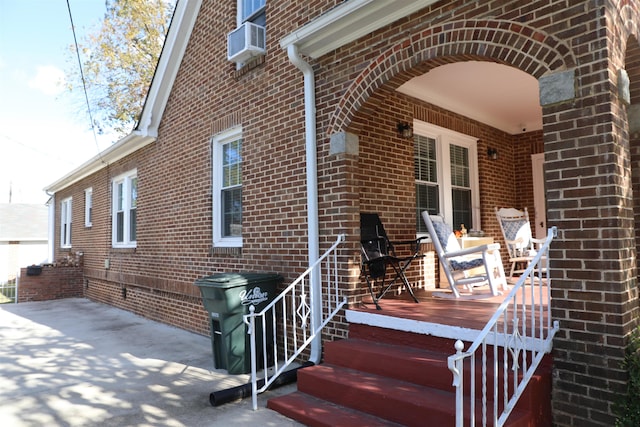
x: 405, y: 130
x: 492, y: 153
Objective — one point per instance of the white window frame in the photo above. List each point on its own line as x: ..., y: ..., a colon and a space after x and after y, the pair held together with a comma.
x: 88, y: 207
x: 66, y: 215
x: 217, y: 144
x: 444, y: 137
x: 241, y: 17
x: 126, y: 180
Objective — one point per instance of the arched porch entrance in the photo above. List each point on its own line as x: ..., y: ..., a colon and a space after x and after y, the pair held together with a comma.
x: 579, y: 151
x: 381, y: 178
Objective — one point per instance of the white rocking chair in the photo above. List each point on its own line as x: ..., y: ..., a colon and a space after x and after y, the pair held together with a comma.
x: 461, y: 265
x: 521, y: 245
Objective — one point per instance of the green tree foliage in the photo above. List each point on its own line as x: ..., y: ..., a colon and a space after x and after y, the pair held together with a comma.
x: 628, y: 408
x: 119, y: 60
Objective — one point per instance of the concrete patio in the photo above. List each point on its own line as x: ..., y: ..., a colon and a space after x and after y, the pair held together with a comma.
x: 74, y: 362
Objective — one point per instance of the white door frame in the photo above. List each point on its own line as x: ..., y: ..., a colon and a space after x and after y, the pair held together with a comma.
x: 539, y: 200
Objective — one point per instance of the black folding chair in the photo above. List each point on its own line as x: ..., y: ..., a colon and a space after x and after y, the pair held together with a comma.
x: 378, y: 252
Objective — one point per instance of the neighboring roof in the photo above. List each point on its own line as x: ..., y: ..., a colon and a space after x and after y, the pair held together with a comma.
x: 23, y: 222
x: 146, y: 131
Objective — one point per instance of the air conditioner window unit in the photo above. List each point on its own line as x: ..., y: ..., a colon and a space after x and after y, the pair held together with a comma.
x: 246, y: 41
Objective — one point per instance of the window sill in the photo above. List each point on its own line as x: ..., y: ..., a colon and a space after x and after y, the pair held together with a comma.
x: 124, y: 248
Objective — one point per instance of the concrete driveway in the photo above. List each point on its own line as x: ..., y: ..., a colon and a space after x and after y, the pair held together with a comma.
x: 75, y: 362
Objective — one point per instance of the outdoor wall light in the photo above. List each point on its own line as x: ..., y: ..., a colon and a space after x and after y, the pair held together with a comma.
x: 405, y: 130
x: 492, y: 153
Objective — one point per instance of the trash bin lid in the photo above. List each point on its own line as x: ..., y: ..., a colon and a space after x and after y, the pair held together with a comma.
x: 231, y: 280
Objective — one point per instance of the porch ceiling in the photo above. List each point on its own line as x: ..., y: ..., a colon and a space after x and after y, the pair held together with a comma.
x: 498, y: 95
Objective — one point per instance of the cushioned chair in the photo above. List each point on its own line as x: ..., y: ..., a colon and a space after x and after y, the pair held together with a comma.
x: 378, y: 253
x: 461, y: 265
x: 521, y: 246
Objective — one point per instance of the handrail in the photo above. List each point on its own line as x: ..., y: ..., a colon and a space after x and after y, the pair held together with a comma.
x: 292, y: 335
x: 515, y: 334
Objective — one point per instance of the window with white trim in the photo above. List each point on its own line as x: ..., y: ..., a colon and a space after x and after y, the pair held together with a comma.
x: 227, y: 188
x: 88, y: 207
x: 123, y: 208
x: 446, y: 176
x: 65, y: 223
x: 252, y: 11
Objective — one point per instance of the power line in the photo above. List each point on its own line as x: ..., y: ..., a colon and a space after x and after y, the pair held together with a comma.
x: 38, y: 150
x: 84, y: 85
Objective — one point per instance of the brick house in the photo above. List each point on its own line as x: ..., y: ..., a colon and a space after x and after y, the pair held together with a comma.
x: 149, y: 215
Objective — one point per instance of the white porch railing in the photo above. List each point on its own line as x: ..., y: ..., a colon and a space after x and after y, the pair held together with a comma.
x: 289, y: 316
x: 517, y: 336
x: 9, y: 290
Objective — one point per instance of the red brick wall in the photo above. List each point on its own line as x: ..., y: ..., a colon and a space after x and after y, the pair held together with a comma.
x: 585, y: 144
x: 183, y: 311
x: 52, y: 283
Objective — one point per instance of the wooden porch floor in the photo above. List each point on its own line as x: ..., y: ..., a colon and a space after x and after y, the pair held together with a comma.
x: 438, y: 312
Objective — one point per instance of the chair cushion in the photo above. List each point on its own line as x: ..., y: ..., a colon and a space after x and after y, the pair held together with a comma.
x: 465, y: 264
x: 518, y: 230
x: 446, y: 237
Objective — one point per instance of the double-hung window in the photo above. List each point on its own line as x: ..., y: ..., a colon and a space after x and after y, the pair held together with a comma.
x: 88, y: 207
x: 227, y: 188
x: 252, y: 11
x: 65, y: 223
x: 124, y: 204
x: 446, y: 176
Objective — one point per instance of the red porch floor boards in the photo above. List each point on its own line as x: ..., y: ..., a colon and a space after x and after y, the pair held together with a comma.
x: 463, y: 312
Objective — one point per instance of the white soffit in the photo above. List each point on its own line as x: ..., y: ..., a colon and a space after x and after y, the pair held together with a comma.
x: 348, y: 22
x: 495, y: 94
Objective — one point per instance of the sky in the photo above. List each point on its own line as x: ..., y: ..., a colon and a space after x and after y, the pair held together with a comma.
x: 45, y: 130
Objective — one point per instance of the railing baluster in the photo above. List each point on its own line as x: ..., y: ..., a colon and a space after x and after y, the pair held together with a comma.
x: 254, y: 378
x: 295, y: 323
x: 496, y: 376
x: 505, y: 360
x: 524, y: 340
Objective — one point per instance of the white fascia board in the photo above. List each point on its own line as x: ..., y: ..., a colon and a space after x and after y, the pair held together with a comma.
x: 182, y: 23
x: 146, y: 131
x: 348, y: 22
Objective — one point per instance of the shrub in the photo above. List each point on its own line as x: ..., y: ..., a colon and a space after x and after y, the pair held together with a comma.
x: 628, y: 409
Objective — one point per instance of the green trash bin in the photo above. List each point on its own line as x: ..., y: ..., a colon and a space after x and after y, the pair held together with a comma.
x: 227, y: 297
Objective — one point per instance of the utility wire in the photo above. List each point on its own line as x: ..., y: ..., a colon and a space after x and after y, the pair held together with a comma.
x: 39, y: 151
x: 84, y: 85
